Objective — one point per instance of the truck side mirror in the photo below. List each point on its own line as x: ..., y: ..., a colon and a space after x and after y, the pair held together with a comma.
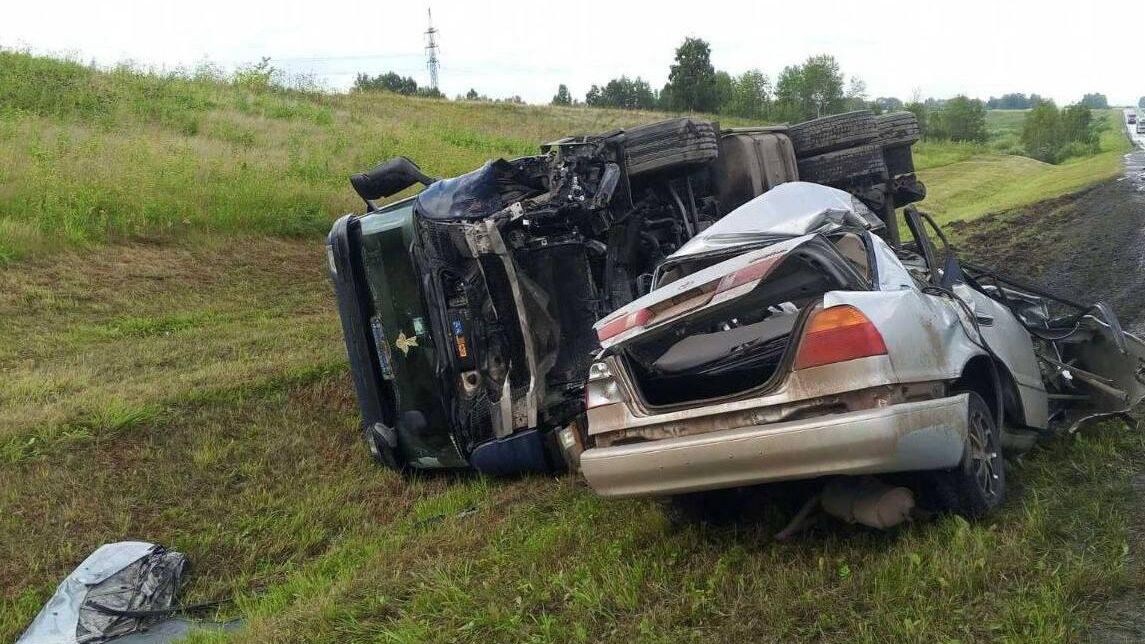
x: 388, y: 179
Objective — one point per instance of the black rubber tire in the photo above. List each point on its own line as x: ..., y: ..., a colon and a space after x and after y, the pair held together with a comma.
x: 830, y: 133
x: 977, y: 485
x: 897, y: 128
x: 844, y: 166
x: 669, y: 144
x: 899, y: 160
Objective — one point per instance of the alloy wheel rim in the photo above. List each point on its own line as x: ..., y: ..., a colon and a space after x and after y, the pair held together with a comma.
x: 986, y: 460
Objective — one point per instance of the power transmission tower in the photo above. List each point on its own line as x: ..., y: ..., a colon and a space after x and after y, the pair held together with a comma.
x: 431, y: 60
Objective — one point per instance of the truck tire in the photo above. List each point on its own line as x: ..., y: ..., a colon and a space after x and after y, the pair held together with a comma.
x: 844, y: 166
x: 669, y: 144
x: 976, y: 485
x: 830, y: 133
x: 897, y: 128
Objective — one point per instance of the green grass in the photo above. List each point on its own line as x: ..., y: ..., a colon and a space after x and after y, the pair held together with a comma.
x: 171, y: 369
x: 229, y: 432
x: 88, y: 156
x: 965, y: 181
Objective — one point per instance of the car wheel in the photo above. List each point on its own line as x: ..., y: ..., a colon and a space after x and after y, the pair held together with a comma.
x: 382, y: 443
x: 830, y: 133
x: 976, y: 486
x: 844, y: 166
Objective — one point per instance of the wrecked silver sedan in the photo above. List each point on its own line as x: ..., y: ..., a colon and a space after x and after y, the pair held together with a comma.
x: 789, y: 341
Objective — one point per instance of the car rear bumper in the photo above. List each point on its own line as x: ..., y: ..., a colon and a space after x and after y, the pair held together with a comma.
x: 905, y: 437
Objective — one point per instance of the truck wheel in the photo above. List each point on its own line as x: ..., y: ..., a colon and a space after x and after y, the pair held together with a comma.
x: 844, y: 166
x: 897, y: 132
x: 669, y: 144
x: 897, y: 128
x: 977, y: 484
x: 830, y: 133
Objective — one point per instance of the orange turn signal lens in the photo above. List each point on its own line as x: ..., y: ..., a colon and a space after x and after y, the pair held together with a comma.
x: 837, y: 334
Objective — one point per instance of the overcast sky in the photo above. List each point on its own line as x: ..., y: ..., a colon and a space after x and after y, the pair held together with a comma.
x: 940, y: 49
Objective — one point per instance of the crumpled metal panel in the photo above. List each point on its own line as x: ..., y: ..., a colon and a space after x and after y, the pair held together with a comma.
x: 787, y: 210
x: 124, y: 576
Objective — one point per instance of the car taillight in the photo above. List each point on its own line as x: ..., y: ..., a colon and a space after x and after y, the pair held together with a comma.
x: 836, y: 334
x: 623, y: 323
x: 601, y: 389
x: 753, y: 272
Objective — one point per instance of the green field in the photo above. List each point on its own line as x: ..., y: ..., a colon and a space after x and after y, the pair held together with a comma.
x: 965, y: 180
x: 173, y: 371
x: 89, y: 157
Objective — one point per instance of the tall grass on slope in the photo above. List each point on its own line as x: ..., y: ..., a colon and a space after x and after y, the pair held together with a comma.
x: 89, y: 156
x: 965, y: 181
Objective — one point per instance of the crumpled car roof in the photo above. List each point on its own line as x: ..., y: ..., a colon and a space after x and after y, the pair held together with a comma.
x: 787, y: 210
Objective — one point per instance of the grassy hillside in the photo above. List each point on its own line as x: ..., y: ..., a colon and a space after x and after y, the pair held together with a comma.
x: 186, y: 384
x: 89, y: 156
x: 965, y: 181
x: 194, y: 393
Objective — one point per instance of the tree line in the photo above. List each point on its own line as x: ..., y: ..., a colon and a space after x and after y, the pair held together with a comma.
x: 1019, y: 101
x: 1052, y: 135
x: 816, y: 87
x: 392, y: 82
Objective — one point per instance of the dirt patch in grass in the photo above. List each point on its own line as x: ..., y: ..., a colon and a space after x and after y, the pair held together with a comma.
x: 1088, y: 246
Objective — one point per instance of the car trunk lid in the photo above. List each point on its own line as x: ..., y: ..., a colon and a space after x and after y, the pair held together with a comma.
x: 726, y: 329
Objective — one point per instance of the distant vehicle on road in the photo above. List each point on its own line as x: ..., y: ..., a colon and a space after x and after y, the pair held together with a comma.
x: 1132, y: 119
x: 1141, y: 127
